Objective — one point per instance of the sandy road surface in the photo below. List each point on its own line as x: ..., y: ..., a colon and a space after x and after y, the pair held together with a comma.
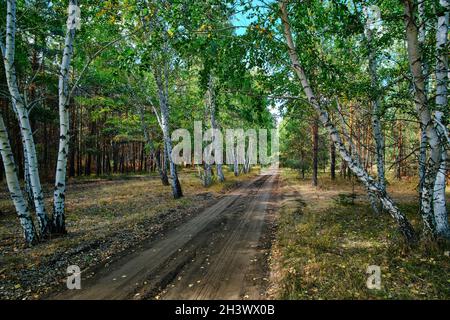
x: 218, y: 254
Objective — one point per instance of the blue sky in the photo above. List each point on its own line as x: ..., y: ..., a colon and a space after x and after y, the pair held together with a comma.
x: 241, y: 19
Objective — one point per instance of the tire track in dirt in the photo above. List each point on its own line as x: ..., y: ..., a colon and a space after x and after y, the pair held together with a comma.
x: 143, y: 273
x: 227, y: 262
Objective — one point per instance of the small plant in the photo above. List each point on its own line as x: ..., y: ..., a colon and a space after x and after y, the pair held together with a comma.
x: 346, y: 199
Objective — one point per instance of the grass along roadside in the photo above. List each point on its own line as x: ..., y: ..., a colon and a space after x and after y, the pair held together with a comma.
x: 323, y: 248
x: 104, y: 217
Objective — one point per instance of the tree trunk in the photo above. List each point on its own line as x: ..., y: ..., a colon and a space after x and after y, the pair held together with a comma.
x: 315, y: 134
x: 149, y: 142
x: 424, y: 114
x: 423, y: 136
x: 212, y: 107
x: 207, y: 175
x: 59, y: 195
x: 8, y: 51
x: 398, y: 136
x: 439, y: 205
x: 26, y: 178
x: 235, y: 162
x: 162, y: 163
x: 15, y: 191
x: 376, y: 103
x: 372, y: 185
x: 165, y: 126
x: 115, y: 150
x: 333, y: 161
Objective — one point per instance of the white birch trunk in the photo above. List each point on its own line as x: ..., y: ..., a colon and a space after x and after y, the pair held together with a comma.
x: 212, y: 108
x: 151, y: 147
x: 425, y: 68
x: 403, y: 223
x: 426, y: 121
x: 23, y: 117
x: 376, y: 103
x: 165, y: 126
x: 59, y: 225
x: 422, y: 164
x: 15, y: 191
x: 26, y: 178
x: 422, y: 38
x: 439, y: 207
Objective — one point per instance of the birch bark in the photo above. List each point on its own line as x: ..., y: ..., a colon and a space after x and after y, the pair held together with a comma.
x: 162, y: 85
x: 372, y: 185
x: 8, y: 51
x: 214, y: 125
x: 151, y: 147
x: 58, y: 223
x: 423, y: 135
x: 15, y: 191
x: 376, y: 103
x: 439, y: 207
x: 421, y: 104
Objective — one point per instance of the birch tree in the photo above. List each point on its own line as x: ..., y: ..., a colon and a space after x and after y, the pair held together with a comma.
x: 64, y: 125
x: 433, y: 212
x: 12, y: 180
x: 439, y: 206
x: 8, y: 51
x: 423, y: 135
x: 371, y: 31
x: 371, y: 184
x: 161, y: 75
x: 151, y: 145
x: 211, y: 98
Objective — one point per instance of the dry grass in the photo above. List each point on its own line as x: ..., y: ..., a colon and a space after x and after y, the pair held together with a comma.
x: 323, y: 248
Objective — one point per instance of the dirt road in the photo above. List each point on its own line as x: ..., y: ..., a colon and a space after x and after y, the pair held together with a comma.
x: 218, y: 254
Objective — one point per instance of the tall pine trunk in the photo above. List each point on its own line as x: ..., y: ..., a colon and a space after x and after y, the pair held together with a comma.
x: 333, y: 161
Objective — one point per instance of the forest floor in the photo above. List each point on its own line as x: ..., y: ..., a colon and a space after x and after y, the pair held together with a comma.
x: 106, y: 219
x: 254, y: 237
x: 325, y: 244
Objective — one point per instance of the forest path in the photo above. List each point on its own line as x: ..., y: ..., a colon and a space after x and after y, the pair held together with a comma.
x: 221, y: 253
